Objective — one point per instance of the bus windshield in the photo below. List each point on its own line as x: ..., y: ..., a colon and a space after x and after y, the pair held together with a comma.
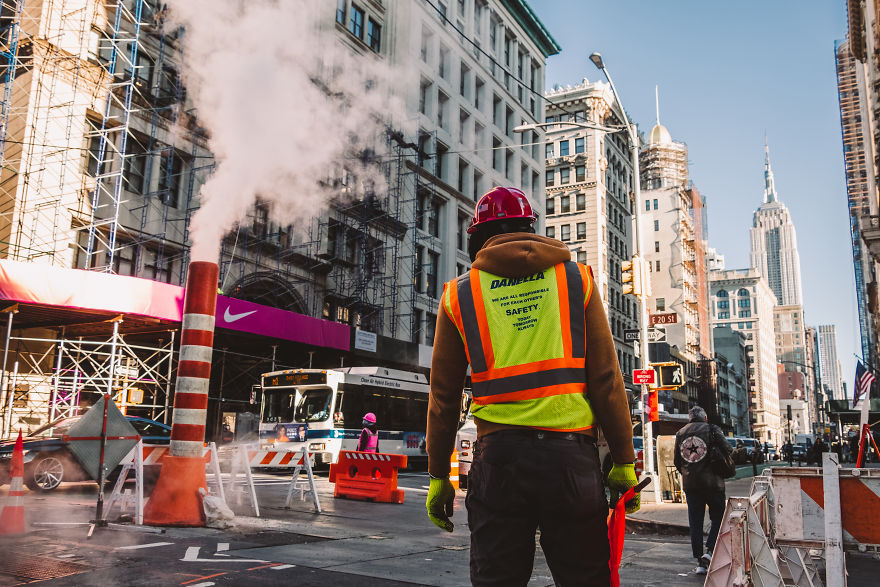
x: 278, y: 405
x: 314, y: 405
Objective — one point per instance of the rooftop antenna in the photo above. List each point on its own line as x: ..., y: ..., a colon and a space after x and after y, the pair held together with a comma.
x: 657, y: 102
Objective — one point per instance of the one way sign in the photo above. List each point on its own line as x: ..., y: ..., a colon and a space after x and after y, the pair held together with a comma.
x: 654, y: 335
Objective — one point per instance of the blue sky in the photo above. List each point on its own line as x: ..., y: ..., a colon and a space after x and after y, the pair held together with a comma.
x: 728, y: 73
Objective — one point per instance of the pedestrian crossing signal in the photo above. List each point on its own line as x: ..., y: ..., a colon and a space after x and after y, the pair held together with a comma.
x: 671, y: 375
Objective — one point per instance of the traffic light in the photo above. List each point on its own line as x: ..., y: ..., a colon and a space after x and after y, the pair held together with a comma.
x: 631, y: 276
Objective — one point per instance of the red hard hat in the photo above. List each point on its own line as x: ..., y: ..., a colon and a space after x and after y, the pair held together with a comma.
x: 499, y: 204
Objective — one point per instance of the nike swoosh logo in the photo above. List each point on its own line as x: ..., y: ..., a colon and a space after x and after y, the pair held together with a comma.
x: 228, y: 317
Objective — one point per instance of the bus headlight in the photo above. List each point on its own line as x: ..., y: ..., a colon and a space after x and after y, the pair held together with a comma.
x: 317, y: 446
x: 465, y: 444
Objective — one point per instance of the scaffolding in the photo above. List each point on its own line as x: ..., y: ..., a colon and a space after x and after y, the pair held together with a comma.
x: 58, y: 378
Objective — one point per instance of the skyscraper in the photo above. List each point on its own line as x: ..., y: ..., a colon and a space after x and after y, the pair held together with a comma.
x: 829, y: 366
x: 861, y: 183
x: 774, y: 243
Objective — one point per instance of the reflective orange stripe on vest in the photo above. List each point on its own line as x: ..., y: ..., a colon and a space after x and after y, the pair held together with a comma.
x: 531, y: 380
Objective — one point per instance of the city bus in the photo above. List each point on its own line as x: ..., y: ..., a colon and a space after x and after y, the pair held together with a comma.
x: 324, y: 408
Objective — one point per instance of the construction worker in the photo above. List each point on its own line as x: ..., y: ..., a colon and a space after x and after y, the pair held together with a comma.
x: 544, y: 375
x: 369, y: 439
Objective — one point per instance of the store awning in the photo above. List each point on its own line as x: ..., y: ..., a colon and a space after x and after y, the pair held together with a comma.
x: 52, y: 297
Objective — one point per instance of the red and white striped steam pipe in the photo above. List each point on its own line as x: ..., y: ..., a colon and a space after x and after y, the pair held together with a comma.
x: 194, y: 367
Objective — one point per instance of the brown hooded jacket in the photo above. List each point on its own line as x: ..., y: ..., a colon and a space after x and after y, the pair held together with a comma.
x: 521, y: 255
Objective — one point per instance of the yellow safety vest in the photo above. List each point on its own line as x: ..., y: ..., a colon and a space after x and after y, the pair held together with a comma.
x: 525, y: 340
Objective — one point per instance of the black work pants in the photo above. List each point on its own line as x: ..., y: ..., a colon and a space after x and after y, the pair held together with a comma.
x: 697, y: 501
x: 524, y: 480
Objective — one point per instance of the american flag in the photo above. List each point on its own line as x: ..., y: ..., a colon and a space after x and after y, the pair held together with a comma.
x: 864, y: 380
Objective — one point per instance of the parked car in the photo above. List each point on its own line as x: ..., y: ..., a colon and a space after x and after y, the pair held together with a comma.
x: 744, y: 449
x: 47, y: 461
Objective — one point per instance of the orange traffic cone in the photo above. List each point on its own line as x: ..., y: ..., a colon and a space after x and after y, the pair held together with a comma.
x: 12, y: 516
x: 453, y: 468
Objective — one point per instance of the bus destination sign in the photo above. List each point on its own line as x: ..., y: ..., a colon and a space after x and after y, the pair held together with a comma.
x: 285, y: 379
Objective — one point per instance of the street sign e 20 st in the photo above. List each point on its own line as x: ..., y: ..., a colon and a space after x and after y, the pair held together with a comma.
x: 667, y: 318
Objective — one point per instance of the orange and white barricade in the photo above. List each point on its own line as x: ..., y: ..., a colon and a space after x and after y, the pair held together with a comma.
x: 306, y: 486
x: 453, y: 469
x: 149, y: 454
x: 766, y: 538
x: 368, y: 476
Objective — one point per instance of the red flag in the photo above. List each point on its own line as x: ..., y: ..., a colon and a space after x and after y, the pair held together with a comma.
x: 617, y: 530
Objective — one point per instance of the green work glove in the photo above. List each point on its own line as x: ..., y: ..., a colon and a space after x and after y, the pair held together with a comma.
x: 441, y: 494
x: 621, y: 478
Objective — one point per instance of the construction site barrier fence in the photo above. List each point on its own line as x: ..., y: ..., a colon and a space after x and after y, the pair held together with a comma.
x: 769, y: 538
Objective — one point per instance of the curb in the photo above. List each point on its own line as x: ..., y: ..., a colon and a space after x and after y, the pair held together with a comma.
x: 642, y: 526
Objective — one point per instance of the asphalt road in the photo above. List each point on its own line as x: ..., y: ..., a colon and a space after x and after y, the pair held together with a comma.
x: 349, y: 543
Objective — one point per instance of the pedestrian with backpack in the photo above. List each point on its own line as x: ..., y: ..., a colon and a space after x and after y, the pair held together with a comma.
x: 702, y: 456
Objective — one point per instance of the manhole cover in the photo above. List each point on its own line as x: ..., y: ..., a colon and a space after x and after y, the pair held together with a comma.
x: 26, y: 566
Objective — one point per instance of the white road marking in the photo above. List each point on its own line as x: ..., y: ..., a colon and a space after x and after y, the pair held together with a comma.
x: 281, y: 567
x: 222, y: 546
x: 148, y: 545
x: 205, y: 584
x: 192, y: 556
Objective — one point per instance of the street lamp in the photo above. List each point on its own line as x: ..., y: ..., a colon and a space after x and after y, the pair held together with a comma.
x: 629, y: 126
x: 647, y: 433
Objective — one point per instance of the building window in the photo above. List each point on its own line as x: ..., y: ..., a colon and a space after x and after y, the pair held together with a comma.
x: 563, y: 148
x: 442, y: 106
x: 661, y: 304
x: 156, y: 268
x: 656, y: 225
x: 581, y: 202
x: 745, y: 313
x: 566, y: 232
x: 656, y: 246
x: 135, y: 166
x: 581, y: 230
x: 580, y: 173
x: 443, y: 63
x: 647, y: 205
x: 549, y: 178
x: 579, y: 145
x: 426, y: 43
x: 170, y: 173
x: 551, y: 231
x: 340, y: 11
x: 551, y: 206
x: 722, y: 293
x: 565, y: 204
x: 723, y: 304
x: 723, y: 315
x: 462, y: 82
x: 478, y: 92
x: 417, y: 325
x: 463, y: 223
x: 564, y: 175
x: 356, y: 23
x: 374, y: 35
x: 582, y: 257
x: 548, y: 150
x: 657, y: 266
x: 424, y: 89
x: 433, y: 268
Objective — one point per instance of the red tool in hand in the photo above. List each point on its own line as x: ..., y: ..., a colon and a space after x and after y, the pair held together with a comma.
x: 617, y: 529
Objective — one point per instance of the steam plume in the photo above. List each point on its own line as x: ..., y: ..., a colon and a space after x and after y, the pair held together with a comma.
x: 286, y: 107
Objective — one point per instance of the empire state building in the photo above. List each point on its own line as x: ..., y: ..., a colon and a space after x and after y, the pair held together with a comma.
x: 774, y: 244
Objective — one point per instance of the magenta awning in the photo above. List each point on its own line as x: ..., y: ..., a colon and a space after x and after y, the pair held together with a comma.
x: 33, y: 283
